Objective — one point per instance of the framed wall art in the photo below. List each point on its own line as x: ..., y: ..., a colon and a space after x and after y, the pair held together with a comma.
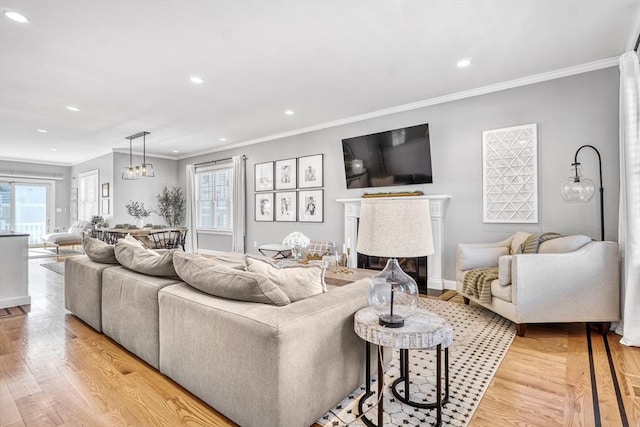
x: 310, y: 173
x: 285, y: 174
x: 105, y: 189
x: 510, y: 174
x: 264, y: 176
x: 105, y: 206
x: 264, y: 207
x: 310, y: 206
x: 286, y: 206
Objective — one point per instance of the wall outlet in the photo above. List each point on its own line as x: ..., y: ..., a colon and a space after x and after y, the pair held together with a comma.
x: 255, y: 244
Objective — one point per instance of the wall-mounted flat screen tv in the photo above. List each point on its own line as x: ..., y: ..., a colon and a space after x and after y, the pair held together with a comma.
x: 395, y: 157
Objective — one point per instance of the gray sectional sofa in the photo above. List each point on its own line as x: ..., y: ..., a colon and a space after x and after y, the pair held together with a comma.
x: 258, y: 364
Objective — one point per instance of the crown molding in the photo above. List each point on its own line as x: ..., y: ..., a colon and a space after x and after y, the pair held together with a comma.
x: 147, y: 154
x: 38, y: 162
x: 525, y: 81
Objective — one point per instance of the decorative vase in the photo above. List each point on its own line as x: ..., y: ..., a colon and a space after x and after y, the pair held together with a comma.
x: 140, y: 222
x: 296, y: 252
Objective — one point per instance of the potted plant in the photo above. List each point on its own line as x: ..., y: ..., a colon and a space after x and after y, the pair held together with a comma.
x: 172, y: 205
x: 138, y: 211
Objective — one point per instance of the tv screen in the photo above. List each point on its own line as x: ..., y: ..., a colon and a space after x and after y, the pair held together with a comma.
x: 395, y: 157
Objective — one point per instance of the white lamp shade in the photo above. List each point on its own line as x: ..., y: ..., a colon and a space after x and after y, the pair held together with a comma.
x: 395, y: 228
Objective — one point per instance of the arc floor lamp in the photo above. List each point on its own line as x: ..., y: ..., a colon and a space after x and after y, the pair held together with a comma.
x: 578, y: 188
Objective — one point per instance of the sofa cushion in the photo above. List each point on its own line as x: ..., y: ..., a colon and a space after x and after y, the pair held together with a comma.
x: 145, y: 261
x: 297, y: 281
x: 99, y: 251
x: 563, y: 244
x: 474, y: 257
x: 229, y: 259
x: 212, y: 277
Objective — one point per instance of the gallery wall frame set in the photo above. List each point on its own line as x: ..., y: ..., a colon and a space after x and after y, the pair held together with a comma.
x: 293, y: 175
x: 289, y: 174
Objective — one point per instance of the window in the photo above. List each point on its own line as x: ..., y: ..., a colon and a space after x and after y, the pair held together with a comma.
x: 214, y: 202
x: 88, y: 195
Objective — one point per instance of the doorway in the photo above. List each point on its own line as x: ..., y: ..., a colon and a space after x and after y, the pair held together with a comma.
x: 26, y: 207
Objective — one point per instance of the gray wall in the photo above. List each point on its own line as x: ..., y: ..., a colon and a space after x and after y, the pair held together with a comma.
x: 121, y: 191
x: 570, y: 112
x: 61, y: 219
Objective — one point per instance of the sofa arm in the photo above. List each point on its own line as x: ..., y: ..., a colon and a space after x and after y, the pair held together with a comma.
x: 578, y: 286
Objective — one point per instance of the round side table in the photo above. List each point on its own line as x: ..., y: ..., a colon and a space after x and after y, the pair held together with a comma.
x: 423, y: 330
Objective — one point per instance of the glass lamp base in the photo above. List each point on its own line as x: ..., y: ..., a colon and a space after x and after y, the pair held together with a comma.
x: 391, y: 321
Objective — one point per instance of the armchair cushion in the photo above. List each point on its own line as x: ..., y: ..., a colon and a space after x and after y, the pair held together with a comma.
x: 504, y: 270
x: 470, y: 257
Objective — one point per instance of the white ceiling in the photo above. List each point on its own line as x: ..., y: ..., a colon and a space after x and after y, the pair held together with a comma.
x: 126, y: 64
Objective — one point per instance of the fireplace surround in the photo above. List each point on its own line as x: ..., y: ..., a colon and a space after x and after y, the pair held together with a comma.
x: 437, y: 206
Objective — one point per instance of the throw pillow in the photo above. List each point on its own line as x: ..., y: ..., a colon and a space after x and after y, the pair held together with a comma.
x: 145, y: 261
x: 133, y: 241
x: 518, y: 239
x: 219, y: 280
x: 99, y: 251
x: 228, y: 259
x: 474, y: 257
x: 297, y: 282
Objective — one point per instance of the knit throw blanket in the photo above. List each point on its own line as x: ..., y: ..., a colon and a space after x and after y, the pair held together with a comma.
x: 533, y: 242
x: 477, y: 283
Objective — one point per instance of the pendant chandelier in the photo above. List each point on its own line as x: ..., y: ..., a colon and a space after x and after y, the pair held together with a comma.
x: 143, y: 169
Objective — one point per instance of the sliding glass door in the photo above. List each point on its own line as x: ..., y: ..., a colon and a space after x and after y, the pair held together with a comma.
x: 25, y: 208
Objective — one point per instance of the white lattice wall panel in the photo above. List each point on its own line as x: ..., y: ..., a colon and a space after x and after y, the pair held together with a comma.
x: 510, y: 174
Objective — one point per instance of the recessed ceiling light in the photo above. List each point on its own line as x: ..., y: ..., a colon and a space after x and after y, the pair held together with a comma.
x: 43, y: 130
x: 72, y: 108
x: 464, y: 63
x: 289, y: 112
x: 196, y: 80
x: 52, y: 149
x: 223, y: 139
x: 15, y: 16
x: 175, y: 151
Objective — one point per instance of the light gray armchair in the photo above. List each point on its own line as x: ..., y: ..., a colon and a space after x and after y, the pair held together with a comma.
x: 570, y: 279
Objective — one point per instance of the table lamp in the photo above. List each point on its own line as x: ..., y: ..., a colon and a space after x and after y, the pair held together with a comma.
x: 394, y: 228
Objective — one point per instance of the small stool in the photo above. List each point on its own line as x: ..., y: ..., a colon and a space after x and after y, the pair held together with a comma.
x: 275, y: 251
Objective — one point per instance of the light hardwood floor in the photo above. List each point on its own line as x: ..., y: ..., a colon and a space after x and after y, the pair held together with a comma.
x: 55, y: 370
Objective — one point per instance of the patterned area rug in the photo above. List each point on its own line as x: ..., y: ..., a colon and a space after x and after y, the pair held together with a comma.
x: 56, y: 267
x: 481, y: 339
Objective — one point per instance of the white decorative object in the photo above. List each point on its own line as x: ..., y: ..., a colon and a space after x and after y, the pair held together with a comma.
x: 296, y: 241
x: 510, y: 174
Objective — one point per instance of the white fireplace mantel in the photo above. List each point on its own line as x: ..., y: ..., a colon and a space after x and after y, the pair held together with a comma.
x: 437, y: 205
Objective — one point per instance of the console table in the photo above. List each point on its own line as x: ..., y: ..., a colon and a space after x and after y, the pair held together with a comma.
x: 423, y: 330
